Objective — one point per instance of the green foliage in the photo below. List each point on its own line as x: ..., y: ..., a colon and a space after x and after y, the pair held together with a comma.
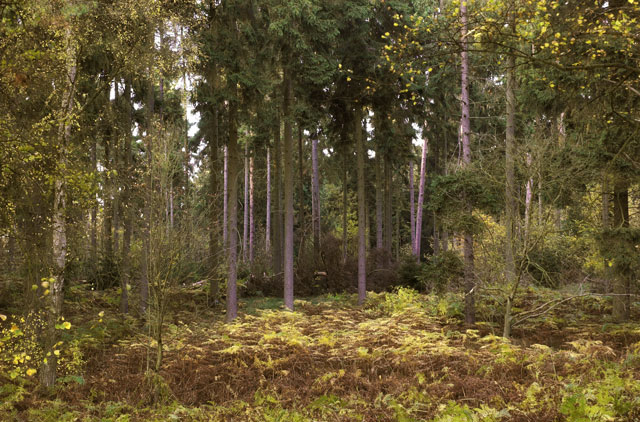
x: 613, y: 395
x: 21, y: 352
x: 441, y: 271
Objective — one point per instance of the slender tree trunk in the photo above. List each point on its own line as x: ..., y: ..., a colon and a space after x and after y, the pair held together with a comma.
x: 528, y: 198
x: 94, y: 211
x: 245, y: 231
x: 412, y: 206
x: 107, y: 236
x: 288, y: 192
x: 146, y: 236
x: 225, y: 199
x: 126, y: 203
x: 267, y: 229
x: 59, y: 235
x: 344, y: 206
x: 118, y: 177
x: 621, y: 282
x: 214, y: 220
x: 388, y: 210
x: 315, y: 199
x: 232, y: 230
x: 510, y: 196
x: 423, y: 172
x: 278, y: 215
x: 251, y: 209
x: 465, y: 127
x: 379, y: 204
x: 362, y: 224
x: 301, y: 216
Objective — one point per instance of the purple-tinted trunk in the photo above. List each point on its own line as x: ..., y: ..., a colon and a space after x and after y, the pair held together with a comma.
x: 423, y: 171
x: 379, y: 203
x: 251, y: 220
x: 225, y: 199
x: 245, y: 221
x: 362, y: 224
x: 315, y: 198
x: 465, y: 129
x: 412, y: 207
x: 267, y: 231
x: 233, y: 160
x: 288, y: 192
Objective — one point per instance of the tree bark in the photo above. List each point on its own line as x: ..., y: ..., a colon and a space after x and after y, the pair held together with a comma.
x: 225, y: 199
x: 301, y: 213
x: 362, y: 223
x: 288, y: 192
x: 245, y: 225
x: 465, y: 127
x: 510, y: 196
x: 267, y: 231
x: 214, y: 188
x: 528, y: 198
x: 344, y: 206
x: 232, y: 222
x: 379, y: 204
x: 315, y: 199
x: 423, y: 171
x: 412, y: 207
x: 388, y: 210
x: 126, y: 204
x: 146, y: 236
x: 59, y: 233
x: 251, y: 216
x: 278, y: 216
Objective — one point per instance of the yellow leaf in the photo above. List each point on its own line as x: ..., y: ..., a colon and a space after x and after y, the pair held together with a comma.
x: 3, y: 317
x: 66, y: 325
x: 31, y: 371
x: 56, y: 352
x: 101, y: 314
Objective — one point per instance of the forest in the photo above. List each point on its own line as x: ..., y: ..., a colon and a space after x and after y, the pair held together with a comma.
x: 320, y: 210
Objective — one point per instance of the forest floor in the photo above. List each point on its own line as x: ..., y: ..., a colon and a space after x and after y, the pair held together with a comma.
x: 401, y: 357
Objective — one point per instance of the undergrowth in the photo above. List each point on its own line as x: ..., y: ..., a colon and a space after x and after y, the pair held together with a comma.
x: 403, y: 356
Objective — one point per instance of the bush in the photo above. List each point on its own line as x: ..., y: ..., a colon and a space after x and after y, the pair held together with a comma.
x: 441, y: 271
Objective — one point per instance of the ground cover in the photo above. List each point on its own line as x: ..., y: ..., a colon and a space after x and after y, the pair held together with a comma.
x: 402, y: 357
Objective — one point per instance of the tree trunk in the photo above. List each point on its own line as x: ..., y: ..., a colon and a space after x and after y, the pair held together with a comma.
x: 621, y: 287
x: 344, y: 206
x: 59, y: 235
x: 423, y: 172
x: 251, y: 216
x: 146, y: 236
x: 510, y: 196
x: 288, y: 192
x: 225, y: 199
x: 528, y: 198
x: 388, y: 210
x: 465, y: 128
x: 126, y: 204
x: 214, y: 221
x: 93, y: 253
x: 362, y: 224
x: 245, y: 225
x: 267, y: 229
x: 232, y: 230
x: 117, y: 178
x: 412, y: 207
x: 315, y: 199
x: 278, y: 229
x: 107, y: 239
x: 301, y: 216
x: 379, y: 204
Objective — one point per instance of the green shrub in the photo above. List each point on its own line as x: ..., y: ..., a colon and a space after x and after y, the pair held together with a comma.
x: 441, y: 271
